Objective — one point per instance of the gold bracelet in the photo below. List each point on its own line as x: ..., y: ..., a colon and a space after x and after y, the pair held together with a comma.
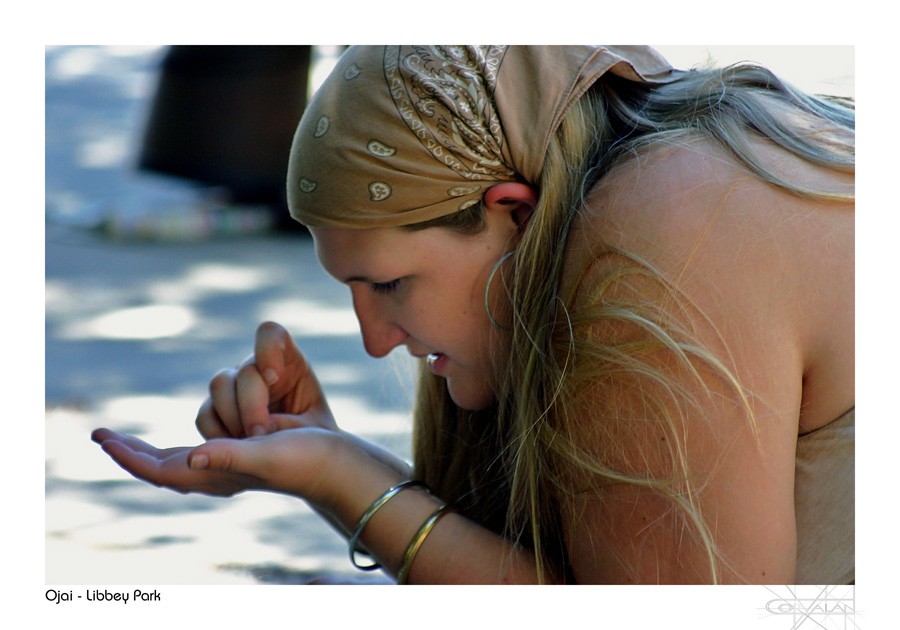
x: 410, y: 554
x: 369, y: 513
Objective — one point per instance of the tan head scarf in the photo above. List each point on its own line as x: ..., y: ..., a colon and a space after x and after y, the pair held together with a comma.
x: 403, y: 134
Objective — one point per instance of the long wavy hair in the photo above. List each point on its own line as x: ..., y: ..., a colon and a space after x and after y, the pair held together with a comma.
x: 507, y: 467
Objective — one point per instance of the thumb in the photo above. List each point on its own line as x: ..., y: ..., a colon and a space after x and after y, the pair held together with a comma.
x: 275, y: 462
x: 228, y: 455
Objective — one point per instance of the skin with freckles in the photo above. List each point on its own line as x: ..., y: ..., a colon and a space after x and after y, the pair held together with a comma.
x: 425, y: 290
x: 682, y: 324
x: 268, y: 425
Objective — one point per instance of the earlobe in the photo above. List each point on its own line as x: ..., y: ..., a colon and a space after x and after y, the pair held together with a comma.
x: 514, y: 197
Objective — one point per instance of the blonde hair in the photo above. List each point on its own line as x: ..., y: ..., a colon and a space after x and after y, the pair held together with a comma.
x: 507, y: 467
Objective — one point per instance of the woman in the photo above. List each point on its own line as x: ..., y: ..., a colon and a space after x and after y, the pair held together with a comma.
x: 631, y: 289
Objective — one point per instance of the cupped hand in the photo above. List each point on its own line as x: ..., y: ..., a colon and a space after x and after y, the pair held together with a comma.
x: 273, y: 390
x: 267, y: 426
x: 291, y: 461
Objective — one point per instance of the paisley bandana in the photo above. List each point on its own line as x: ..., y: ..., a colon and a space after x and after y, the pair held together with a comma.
x: 404, y: 134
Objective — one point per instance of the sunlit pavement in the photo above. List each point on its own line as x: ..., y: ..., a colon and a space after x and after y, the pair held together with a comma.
x: 134, y: 331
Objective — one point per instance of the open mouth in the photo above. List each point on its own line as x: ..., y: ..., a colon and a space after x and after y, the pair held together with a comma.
x: 436, y: 361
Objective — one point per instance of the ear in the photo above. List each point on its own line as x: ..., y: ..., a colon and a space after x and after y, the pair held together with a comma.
x: 513, y: 197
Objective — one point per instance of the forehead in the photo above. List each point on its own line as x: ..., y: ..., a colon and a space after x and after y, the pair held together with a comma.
x: 347, y: 252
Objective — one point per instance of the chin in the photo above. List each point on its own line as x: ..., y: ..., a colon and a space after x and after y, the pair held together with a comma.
x: 471, y: 398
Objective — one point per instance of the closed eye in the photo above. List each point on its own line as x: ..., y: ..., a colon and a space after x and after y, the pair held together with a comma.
x: 386, y: 287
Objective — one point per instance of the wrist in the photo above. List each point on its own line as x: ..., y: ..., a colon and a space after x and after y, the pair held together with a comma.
x: 352, y: 474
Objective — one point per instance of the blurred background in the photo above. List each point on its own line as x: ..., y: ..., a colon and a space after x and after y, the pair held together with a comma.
x: 166, y: 244
x: 165, y: 247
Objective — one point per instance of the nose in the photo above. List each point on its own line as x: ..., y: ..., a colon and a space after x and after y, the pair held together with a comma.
x: 380, y: 334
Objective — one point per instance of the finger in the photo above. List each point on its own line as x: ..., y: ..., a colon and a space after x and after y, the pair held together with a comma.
x: 282, y: 421
x: 223, y: 393
x: 100, y: 435
x: 318, y: 418
x: 160, y: 468
x: 208, y: 422
x: 286, y: 371
x: 272, y: 346
x: 280, y: 362
x: 169, y: 468
x: 253, y: 401
x: 137, y: 445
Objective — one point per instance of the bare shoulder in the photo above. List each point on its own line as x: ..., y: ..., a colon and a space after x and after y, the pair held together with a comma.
x: 768, y: 276
x: 670, y: 199
x: 765, y: 265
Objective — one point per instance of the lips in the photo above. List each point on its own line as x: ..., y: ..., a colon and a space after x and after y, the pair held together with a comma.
x: 436, y: 362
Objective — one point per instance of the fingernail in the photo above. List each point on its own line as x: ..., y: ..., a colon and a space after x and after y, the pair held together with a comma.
x: 199, y: 462
x: 258, y: 430
x: 271, y: 376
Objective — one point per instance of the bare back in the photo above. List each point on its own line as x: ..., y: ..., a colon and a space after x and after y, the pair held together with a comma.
x: 772, y: 276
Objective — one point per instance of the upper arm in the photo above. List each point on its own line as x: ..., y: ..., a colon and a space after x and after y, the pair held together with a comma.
x: 707, y: 229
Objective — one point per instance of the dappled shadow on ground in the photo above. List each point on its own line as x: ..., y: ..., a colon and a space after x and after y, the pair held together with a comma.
x: 113, y: 359
x: 135, y: 328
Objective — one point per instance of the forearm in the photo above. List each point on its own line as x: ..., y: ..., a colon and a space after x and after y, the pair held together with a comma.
x: 457, y: 550
x: 341, y: 476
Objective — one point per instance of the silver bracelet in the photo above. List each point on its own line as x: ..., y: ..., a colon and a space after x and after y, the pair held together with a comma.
x: 369, y: 513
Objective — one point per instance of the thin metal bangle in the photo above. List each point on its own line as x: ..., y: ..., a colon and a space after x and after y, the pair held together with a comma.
x: 416, y: 543
x: 369, y: 513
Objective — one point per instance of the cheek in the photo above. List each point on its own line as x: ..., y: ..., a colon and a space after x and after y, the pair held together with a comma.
x: 476, y: 334
x: 459, y: 315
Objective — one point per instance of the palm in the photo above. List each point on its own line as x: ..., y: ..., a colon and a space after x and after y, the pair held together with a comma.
x: 170, y: 467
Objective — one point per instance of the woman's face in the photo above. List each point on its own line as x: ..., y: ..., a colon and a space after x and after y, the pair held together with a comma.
x: 425, y: 290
